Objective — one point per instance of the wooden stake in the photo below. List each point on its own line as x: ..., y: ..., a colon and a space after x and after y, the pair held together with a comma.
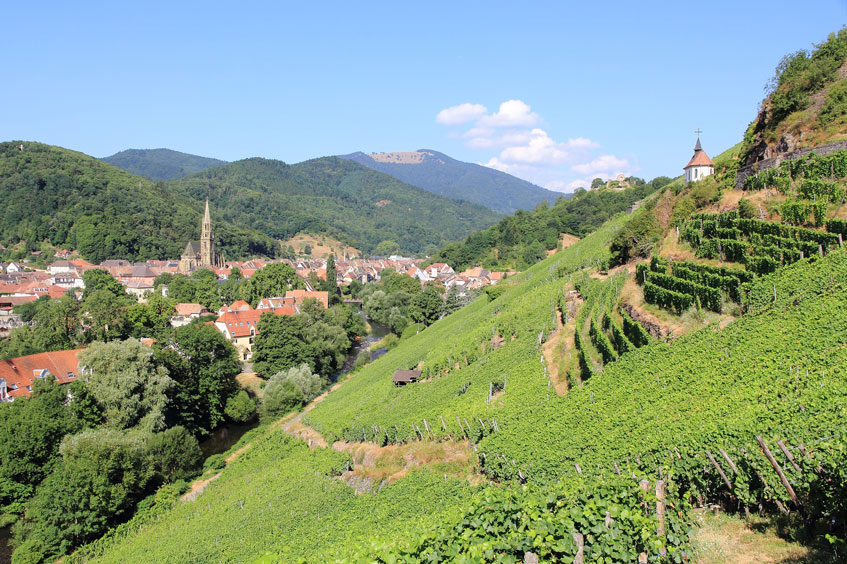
x: 805, y: 452
x: 728, y: 460
x: 580, y: 548
x: 443, y: 425
x: 578, y: 469
x: 779, y: 504
x: 720, y: 470
x: 779, y: 471
x: 788, y: 455
x: 660, y: 506
x: 618, y: 470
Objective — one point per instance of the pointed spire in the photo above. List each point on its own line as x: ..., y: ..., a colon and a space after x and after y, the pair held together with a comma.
x: 207, y: 218
x: 697, y: 147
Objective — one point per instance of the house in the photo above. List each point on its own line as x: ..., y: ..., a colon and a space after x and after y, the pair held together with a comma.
x: 138, y: 289
x: 18, y: 374
x: 14, y: 267
x: 187, y: 312
x: 700, y: 166
x: 403, y: 377
x: 241, y: 327
x: 238, y: 305
x: 298, y: 296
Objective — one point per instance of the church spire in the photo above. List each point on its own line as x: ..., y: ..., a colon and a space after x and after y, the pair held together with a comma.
x: 207, y: 249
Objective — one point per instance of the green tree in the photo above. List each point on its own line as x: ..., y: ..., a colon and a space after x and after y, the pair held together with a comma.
x: 331, y: 284
x: 597, y: 183
x: 290, y: 389
x: 174, y: 453
x: 126, y: 381
x: 280, y: 344
x: 240, y: 407
x: 271, y: 281
x: 426, y: 307
x: 106, y: 316
x: 102, y: 475
x: 202, y: 365
x: 387, y: 248
x: 96, y: 279
x: 746, y: 209
x: 30, y: 432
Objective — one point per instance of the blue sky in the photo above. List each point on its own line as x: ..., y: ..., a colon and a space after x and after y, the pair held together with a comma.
x: 555, y: 92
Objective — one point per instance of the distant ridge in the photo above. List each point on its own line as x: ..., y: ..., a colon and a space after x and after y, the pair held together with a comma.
x: 446, y: 176
x: 160, y: 164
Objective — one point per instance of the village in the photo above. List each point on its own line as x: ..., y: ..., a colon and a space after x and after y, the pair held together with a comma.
x: 21, y: 283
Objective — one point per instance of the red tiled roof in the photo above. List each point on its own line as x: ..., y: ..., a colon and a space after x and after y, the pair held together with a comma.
x: 700, y: 158
x: 300, y: 295
x: 20, y: 372
x: 240, y: 323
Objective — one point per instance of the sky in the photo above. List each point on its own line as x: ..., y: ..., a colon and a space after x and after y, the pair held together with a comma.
x: 557, y: 93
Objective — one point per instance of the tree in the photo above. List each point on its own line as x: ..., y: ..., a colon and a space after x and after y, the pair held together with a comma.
x: 174, y: 453
x: 202, y: 365
x: 106, y: 316
x: 307, y: 250
x: 387, y: 248
x: 452, y: 301
x: 271, y: 281
x: 102, y: 475
x: 240, y: 407
x: 124, y: 379
x: 397, y: 321
x: 289, y: 389
x: 597, y: 183
x: 96, y: 279
x: 280, y: 344
x: 426, y: 307
x: 152, y: 319
x: 331, y: 284
x: 30, y: 432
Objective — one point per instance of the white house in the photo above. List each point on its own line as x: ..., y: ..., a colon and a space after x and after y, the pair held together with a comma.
x: 700, y: 166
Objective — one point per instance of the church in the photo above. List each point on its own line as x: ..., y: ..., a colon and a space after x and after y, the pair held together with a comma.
x: 200, y: 254
x: 700, y: 165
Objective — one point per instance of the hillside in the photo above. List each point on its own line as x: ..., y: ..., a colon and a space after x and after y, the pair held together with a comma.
x: 525, y: 238
x: 807, y: 103
x: 342, y: 199
x: 75, y: 201
x: 160, y: 164
x: 660, y: 406
x: 440, y: 174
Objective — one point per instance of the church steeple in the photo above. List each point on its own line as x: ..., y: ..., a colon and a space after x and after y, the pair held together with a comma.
x: 207, y: 249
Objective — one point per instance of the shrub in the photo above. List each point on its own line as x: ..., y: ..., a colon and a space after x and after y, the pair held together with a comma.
x: 291, y: 389
x: 175, y: 453
x: 240, y: 407
x: 214, y: 462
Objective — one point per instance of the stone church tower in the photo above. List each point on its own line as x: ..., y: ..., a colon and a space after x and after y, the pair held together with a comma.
x: 207, y: 240
x: 201, y: 254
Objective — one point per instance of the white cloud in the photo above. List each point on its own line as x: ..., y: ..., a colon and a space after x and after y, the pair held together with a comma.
x: 463, y: 113
x: 603, y: 163
x: 539, y: 149
x: 527, y: 151
x: 512, y: 113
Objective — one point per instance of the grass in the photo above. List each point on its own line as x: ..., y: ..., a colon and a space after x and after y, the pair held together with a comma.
x: 724, y: 538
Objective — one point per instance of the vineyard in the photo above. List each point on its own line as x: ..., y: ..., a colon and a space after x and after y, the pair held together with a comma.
x: 606, y: 471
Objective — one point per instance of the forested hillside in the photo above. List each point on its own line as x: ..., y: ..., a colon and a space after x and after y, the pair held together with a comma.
x: 524, y: 238
x: 440, y: 174
x: 74, y: 201
x: 343, y: 199
x: 160, y: 164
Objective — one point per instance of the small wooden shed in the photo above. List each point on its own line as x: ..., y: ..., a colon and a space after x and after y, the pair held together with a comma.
x: 403, y: 377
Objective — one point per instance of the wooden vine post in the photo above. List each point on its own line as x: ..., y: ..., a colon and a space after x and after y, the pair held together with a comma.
x: 779, y: 471
x: 580, y: 548
x: 660, y: 507
x: 720, y: 470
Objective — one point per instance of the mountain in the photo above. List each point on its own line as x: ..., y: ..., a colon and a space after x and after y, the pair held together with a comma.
x: 352, y: 203
x: 440, y: 174
x: 75, y: 201
x: 160, y: 164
